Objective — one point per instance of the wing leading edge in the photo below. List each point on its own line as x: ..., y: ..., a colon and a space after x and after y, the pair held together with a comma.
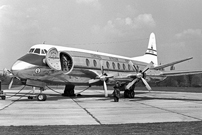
x: 171, y: 64
x: 178, y: 73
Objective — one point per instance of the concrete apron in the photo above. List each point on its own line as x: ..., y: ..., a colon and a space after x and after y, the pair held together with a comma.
x: 94, y: 109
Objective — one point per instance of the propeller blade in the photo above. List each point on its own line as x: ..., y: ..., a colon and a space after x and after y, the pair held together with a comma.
x: 101, y: 66
x: 147, y: 67
x: 105, y: 88
x: 132, y: 65
x: 146, y: 84
x: 10, y: 84
x: 131, y: 83
x: 91, y: 81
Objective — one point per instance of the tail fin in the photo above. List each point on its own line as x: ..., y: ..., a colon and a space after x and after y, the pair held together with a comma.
x: 151, y: 53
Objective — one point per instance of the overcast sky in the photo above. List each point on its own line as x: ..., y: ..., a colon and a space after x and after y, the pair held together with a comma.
x: 111, y: 26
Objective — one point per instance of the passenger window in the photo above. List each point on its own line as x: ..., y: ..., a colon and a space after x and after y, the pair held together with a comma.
x: 129, y: 68
x: 113, y: 64
x: 37, y: 51
x: 124, y: 67
x: 107, y: 64
x: 87, y: 62
x: 95, y: 63
x: 118, y: 66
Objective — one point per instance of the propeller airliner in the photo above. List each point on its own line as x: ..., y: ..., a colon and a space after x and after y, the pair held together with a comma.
x: 45, y: 64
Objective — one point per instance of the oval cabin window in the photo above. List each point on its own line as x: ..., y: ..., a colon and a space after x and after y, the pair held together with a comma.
x: 113, y: 65
x: 124, y: 67
x: 129, y: 68
x: 118, y: 66
x: 107, y: 64
x: 87, y: 62
x: 95, y: 63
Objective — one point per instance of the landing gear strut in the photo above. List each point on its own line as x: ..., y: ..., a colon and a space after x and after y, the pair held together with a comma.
x: 41, y: 96
x: 69, y: 90
x: 129, y: 94
x: 2, y: 95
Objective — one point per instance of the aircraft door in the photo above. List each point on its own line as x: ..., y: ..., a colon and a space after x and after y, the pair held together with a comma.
x: 53, y: 59
x: 66, y: 62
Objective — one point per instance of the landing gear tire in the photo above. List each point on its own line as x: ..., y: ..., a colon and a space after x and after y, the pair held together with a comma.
x: 126, y: 93
x: 41, y: 97
x: 132, y: 94
x: 129, y: 94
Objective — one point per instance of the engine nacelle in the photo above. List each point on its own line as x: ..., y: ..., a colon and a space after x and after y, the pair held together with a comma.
x: 60, y: 61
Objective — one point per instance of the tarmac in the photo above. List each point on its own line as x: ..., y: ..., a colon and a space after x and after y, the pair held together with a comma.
x: 92, y: 108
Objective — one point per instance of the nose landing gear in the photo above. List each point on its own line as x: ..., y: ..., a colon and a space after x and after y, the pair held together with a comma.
x: 40, y: 96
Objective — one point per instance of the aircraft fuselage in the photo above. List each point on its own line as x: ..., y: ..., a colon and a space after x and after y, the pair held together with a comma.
x: 83, y: 66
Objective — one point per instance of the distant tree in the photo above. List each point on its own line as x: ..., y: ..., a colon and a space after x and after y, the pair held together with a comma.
x: 196, y: 81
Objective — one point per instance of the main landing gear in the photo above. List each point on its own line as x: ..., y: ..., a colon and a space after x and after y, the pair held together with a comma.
x: 129, y: 94
x: 69, y: 90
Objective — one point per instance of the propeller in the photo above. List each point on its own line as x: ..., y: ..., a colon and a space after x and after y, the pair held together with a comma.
x: 10, y: 74
x: 11, y: 83
x: 102, y: 77
x: 105, y: 88
x: 140, y: 75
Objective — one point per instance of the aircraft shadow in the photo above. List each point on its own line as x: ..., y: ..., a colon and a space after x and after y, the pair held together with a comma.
x: 56, y: 97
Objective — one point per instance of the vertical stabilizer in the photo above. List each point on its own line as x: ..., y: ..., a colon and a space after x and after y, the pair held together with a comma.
x: 151, y: 53
x: 151, y: 50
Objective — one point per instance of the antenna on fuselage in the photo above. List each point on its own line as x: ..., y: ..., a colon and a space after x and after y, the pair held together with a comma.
x: 44, y: 42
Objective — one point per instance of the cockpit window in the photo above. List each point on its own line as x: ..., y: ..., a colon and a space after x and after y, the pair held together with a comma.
x: 37, y: 50
x: 42, y: 52
x: 31, y: 50
x: 45, y: 51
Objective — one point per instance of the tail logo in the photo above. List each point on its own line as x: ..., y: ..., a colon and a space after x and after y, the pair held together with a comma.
x: 151, y: 51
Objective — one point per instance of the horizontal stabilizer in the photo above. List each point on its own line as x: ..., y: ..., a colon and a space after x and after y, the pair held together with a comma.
x: 171, y: 64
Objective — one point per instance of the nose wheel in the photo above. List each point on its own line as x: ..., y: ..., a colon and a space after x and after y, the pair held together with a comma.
x: 41, y: 97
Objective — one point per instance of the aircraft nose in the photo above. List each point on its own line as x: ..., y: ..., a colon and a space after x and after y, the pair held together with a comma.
x: 19, y: 66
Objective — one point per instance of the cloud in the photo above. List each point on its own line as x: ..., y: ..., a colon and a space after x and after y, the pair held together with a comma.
x: 141, y: 21
x: 189, y: 33
x: 144, y: 20
x: 94, y: 3
x: 121, y: 26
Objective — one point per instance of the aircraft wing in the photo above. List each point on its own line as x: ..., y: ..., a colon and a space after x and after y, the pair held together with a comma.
x: 90, y: 73
x: 170, y: 64
x: 178, y: 73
